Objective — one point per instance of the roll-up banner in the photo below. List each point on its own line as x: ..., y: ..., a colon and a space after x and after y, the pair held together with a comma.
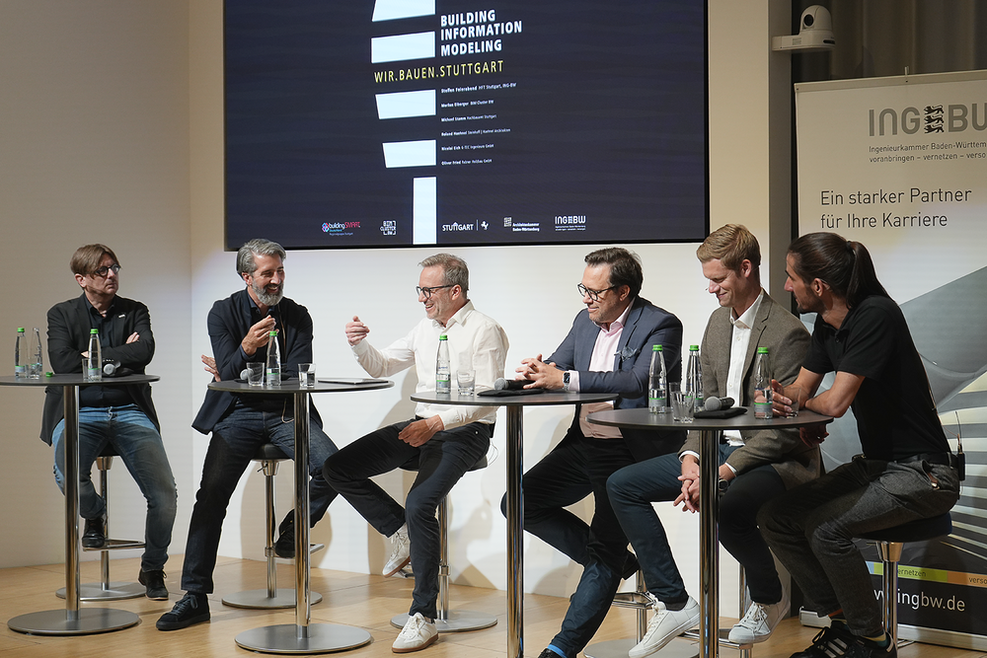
x: 900, y: 164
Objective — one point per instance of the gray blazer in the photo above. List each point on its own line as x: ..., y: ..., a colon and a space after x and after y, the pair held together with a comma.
x: 784, y: 334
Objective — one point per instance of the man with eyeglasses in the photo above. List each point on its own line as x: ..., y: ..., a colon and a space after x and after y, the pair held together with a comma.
x: 608, y: 350
x: 442, y: 441
x: 239, y: 329
x: 121, y: 417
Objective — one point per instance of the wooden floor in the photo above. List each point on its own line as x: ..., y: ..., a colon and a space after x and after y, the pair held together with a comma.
x: 353, y: 599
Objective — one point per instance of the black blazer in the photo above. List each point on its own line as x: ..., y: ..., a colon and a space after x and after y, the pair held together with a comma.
x: 68, y: 337
x: 229, y: 321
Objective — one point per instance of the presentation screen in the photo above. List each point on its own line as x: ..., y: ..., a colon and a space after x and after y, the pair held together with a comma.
x: 395, y: 123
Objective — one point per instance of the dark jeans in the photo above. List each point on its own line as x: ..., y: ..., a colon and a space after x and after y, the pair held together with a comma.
x: 576, y: 468
x: 234, y: 442
x: 139, y: 445
x: 634, y: 488
x: 811, y: 529
x: 441, y: 462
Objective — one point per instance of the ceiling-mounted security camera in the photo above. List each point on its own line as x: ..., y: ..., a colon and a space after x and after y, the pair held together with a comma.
x: 815, y: 32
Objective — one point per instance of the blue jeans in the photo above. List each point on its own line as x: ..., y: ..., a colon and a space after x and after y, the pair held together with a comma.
x: 575, y: 468
x: 139, y: 445
x: 441, y: 462
x: 811, y: 529
x: 235, y: 440
x: 633, y: 489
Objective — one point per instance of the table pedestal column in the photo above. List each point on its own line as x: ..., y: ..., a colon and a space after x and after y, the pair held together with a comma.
x: 302, y: 637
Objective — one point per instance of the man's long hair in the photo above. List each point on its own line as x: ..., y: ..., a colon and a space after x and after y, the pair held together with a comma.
x: 844, y: 265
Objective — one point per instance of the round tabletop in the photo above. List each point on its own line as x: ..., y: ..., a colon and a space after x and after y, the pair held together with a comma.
x: 291, y: 386
x: 76, y: 379
x: 645, y: 420
x: 527, y: 400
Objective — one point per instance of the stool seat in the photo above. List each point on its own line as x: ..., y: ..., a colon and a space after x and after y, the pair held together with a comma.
x: 918, y: 530
x: 269, y: 451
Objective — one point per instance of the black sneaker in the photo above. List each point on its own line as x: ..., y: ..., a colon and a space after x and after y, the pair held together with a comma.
x: 153, y: 581
x: 193, y: 608
x: 837, y: 641
x: 285, y: 545
x: 94, y: 536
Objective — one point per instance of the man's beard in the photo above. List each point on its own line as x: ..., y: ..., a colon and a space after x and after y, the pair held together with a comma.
x: 267, y: 298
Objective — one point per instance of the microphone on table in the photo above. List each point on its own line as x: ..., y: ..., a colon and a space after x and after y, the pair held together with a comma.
x: 715, y: 404
x: 501, y: 384
x: 114, y: 369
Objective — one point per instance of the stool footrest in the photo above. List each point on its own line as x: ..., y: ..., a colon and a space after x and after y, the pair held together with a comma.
x: 116, y: 545
x: 724, y: 639
x: 636, y: 600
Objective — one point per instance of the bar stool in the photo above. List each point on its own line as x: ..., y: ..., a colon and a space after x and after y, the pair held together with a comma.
x: 451, y: 621
x: 269, y: 455
x: 889, y: 543
x: 105, y: 590
x: 639, y: 600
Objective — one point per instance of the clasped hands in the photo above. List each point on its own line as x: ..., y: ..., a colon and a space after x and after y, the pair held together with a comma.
x: 540, y: 374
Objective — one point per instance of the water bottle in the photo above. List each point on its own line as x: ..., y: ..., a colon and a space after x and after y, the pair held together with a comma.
x: 273, y: 361
x: 694, y: 379
x: 443, y: 367
x: 20, y: 354
x: 38, y: 364
x: 763, y: 393
x: 657, y: 383
x: 94, y: 362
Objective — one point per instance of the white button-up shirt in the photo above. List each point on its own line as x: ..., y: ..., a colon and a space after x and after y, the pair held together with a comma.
x: 475, y: 341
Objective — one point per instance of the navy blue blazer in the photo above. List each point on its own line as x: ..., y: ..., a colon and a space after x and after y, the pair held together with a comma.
x: 68, y: 337
x: 647, y: 325
x: 229, y: 321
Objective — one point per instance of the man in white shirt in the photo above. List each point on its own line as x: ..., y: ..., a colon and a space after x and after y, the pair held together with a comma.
x: 754, y: 465
x: 444, y: 441
x: 607, y: 350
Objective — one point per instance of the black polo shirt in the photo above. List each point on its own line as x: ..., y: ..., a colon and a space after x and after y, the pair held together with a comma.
x: 896, y: 416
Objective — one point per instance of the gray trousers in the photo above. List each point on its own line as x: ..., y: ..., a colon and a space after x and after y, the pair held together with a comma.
x: 811, y: 529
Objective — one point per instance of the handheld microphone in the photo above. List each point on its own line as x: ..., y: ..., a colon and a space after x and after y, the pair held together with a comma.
x: 114, y: 369
x: 502, y: 384
x: 715, y: 404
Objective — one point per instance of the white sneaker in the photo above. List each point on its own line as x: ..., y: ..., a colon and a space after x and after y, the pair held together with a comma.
x: 759, y: 621
x: 665, y: 626
x: 417, y: 634
x: 400, y: 552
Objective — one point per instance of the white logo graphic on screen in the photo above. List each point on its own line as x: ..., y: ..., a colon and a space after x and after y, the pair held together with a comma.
x: 407, y: 104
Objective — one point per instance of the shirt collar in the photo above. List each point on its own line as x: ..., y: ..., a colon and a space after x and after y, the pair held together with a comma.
x: 457, y: 318
x: 619, y: 323
x: 746, y: 320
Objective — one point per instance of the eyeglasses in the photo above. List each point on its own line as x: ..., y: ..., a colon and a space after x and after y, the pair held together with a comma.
x: 103, y: 271
x: 593, y: 294
x: 427, y: 292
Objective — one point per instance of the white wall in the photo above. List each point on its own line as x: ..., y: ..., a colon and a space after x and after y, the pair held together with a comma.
x: 132, y: 92
x: 93, y: 148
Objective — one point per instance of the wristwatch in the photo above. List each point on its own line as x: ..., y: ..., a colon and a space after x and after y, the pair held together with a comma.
x: 565, y: 381
x: 722, y: 486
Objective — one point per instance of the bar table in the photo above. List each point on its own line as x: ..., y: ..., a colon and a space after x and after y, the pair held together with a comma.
x: 710, y: 430
x: 73, y: 620
x: 515, y: 506
x: 302, y: 637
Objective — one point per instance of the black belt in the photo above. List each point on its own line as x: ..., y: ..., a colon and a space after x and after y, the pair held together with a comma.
x: 945, y: 458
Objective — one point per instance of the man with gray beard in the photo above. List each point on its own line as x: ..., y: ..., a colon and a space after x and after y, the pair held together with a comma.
x: 239, y: 328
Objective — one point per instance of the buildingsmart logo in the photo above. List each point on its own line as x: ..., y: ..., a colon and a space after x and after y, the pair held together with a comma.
x: 340, y: 228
